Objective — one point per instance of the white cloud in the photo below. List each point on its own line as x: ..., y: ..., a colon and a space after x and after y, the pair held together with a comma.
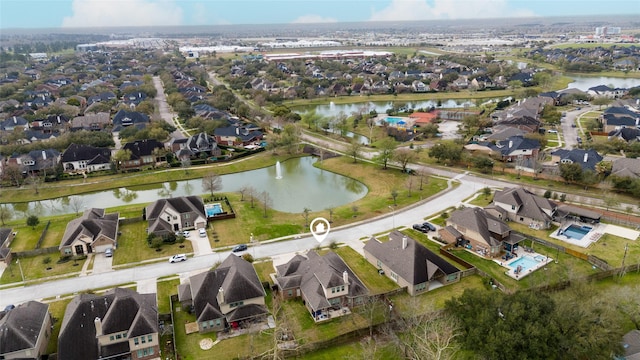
x: 313, y: 19
x: 111, y: 13
x: 408, y: 10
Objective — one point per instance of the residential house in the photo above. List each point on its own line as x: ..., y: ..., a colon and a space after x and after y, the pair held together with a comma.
x: 631, y: 345
x: 195, y: 146
x: 479, y: 231
x: 626, y: 167
x: 588, y: 159
x: 410, y: 264
x: 237, y: 135
x: 502, y: 134
x: 524, y: 207
x: 607, y: 92
x: 167, y: 216
x: 6, y: 237
x: 516, y: 148
x: 25, y: 331
x: 119, y: 324
x: 37, y: 161
x: 424, y: 118
x: 134, y: 98
x: 52, y: 124
x: 143, y: 154
x: 323, y: 282
x: 123, y: 119
x: 95, y: 231
x: 618, y: 117
x: 625, y: 134
x: 91, y: 121
x: 419, y: 86
x: 79, y: 158
x: 14, y: 122
x: 230, y: 295
x: 102, y: 97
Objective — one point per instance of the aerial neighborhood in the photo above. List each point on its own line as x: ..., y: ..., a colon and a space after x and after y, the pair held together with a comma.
x: 160, y: 196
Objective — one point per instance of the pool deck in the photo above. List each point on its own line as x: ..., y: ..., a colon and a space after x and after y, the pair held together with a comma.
x: 521, y: 252
x: 589, y: 238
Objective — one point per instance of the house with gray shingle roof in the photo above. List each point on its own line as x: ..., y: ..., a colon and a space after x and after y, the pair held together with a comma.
x: 167, y: 216
x: 626, y: 167
x: 230, y: 295
x: 410, y: 264
x: 118, y: 324
x: 524, y: 207
x: 323, y: 282
x: 479, y: 231
x: 85, y: 158
x: 200, y: 144
x: 25, y: 331
x: 588, y: 159
x: 94, y: 231
x: 631, y: 345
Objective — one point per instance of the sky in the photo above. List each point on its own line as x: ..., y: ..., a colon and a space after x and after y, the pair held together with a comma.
x: 114, y: 13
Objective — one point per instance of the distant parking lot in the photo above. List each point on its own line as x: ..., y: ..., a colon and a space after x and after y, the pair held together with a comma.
x: 449, y: 129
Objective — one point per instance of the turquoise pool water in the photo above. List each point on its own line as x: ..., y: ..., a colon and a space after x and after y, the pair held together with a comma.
x: 393, y: 120
x: 525, y: 262
x: 576, y: 231
x: 213, y: 209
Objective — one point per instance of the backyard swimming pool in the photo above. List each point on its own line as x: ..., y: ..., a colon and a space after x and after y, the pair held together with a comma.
x: 394, y: 120
x: 524, y: 263
x: 576, y: 231
x: 213, y: 209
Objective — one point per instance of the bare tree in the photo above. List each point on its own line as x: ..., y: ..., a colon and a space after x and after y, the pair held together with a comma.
x: 409, y: 184
x: 13, y: 173
x: 34, y: 181
x: 185, y: 164
x: 266, y: 201
x: 243, y: 190
x: 305, y: 214
x: 423, y: 177
x: 404, y: 157
x: 252, y: 193
x: 330, y: 210
x: 76, y: 204
x: 371, y: 124
x: 212, y: 182
x: 5, y: 214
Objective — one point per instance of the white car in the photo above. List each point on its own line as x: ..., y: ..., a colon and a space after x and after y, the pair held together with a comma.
x: 177, y: 258
x: 183, y: 233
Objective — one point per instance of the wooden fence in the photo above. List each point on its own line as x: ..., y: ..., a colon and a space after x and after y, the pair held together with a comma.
x: 44, y: 233
x: 35, y: 252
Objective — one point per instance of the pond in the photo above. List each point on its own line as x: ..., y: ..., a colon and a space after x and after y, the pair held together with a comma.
x: 302, y: 186
x: 585, y: 82
x: 333, y: 110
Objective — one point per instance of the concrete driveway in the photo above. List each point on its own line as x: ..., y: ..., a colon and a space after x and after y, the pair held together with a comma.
x: 201, y: 245
x: 101, y: 263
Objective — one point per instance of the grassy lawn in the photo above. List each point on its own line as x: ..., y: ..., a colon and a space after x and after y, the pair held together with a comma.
x: 367, y: 273
x: 306, y: 330
x: 35, y: 267
x: 434, y: 299
x: 56, y: 309
x: 356, y: 350
x: 132, y: 245
x: 264, y: 268
x: 166, y: 288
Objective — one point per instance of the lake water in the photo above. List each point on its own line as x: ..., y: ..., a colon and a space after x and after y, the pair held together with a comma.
x: 585, y: 82
x: 334, y: 110
x: 302, y: 186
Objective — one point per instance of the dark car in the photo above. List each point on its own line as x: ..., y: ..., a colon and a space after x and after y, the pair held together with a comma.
x: 239, y: 248
x: 420, y: 228
x: 429, y: 226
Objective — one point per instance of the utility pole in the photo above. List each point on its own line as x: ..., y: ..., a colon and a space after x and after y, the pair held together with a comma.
x: 624, y: 257
x: 21, y: 273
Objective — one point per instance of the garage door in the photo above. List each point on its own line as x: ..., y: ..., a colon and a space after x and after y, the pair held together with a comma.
x: 102, y: 248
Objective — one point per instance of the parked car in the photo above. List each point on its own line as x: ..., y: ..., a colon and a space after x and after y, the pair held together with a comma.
x: 177, y: 258
x: 573, y: 125
x: 108, y: 252
x: 429, y: 226
x: 183, y: 233
x: 420, y: 228
x: 551, y: 131
x: 202, y: 232
x: 238, y: 248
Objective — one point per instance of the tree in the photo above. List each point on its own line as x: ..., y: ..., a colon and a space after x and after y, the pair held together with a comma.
x: 252, y: 193
x: 212, y: 182
x: 482, y: 163
x: 601, y: 101
x: 121, y: 156
x: 13, y: 173
x: 409, y: 185
x: 5, y: 214
x: 371, y: 124
x: 571, y: 173
x: 404, y: 157
x: 76, y: 204
x: 35, y: 181
x: 423, y: 177
x: 486, y: 191
x: 447, y: 152
x: 394, y: 196
x: 33, y: 221
x: 266, y: 201
x: 354, y: 150
x: 242, y: 191
x: 385, y: 152
x: 305, y: 214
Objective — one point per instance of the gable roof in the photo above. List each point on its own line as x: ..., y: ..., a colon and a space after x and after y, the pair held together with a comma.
x: 414, y: 263
x: 180, y: 204
x: 125, y: 118
x: 20, y: 327
x: 93, y: 223
x: 315, y: 272
x: 119, y: 310
x: 527, y: 203
x: 236, y: 278
x: 626, y: 167
x: 514, y: 143
x: 480, y: 221
x: 140, y: 148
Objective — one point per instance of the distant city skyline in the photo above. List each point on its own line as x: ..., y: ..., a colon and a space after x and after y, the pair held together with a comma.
x: 117, y: 13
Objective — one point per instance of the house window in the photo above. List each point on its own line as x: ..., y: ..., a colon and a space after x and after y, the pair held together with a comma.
x: 169, y: 218
x: 204, y: 325
x: 421, y: 287
x: 379, y: 264
x: 218, y: 322
x: 111, y: 338
x: 342, y: 288
x: 236, y: 304
x: 290, y: 292
x: 118, y: 336
x: 136, y: 341
x: 210, y: 323
x: 149, y: 338
x: 143, y: 339
x: 67, y: 251
x: 513, y: 207
x: 394, y: 276
x: 333, y: 290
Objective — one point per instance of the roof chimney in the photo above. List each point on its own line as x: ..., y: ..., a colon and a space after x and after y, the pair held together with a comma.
x: 586, y: 157
x: 220, y: 296
x: 345, y: 277
x: 404, y: 242
x: 98, y: 323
